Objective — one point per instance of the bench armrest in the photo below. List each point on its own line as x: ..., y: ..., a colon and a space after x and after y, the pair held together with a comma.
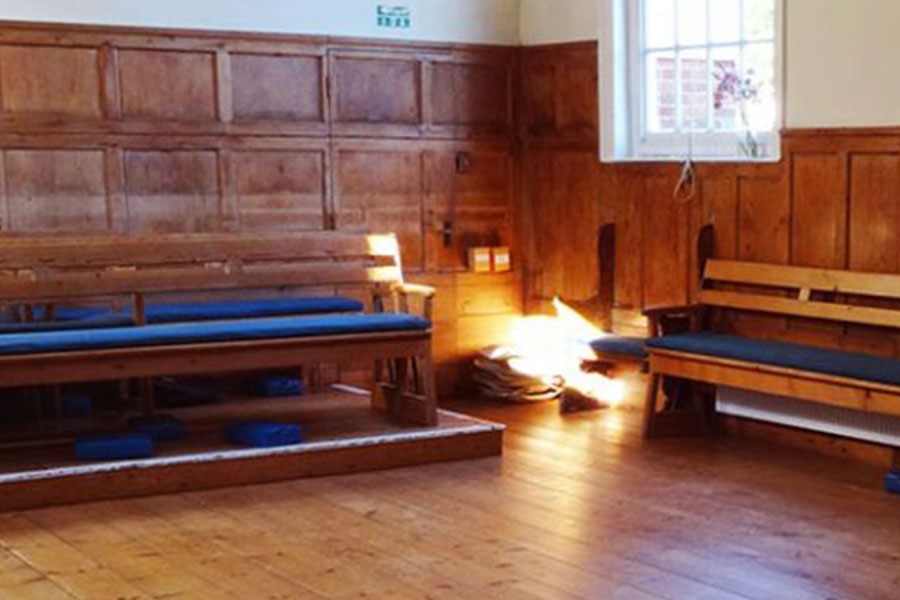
x: 416, y: 289
x: 400, y: 292
x: 674, y: 319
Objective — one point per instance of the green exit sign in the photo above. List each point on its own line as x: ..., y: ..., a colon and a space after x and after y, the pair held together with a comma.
x: 394, y: 17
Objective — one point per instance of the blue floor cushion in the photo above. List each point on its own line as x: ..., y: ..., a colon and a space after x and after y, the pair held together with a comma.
x: 621, y: 344
x: 113, y: 447
x: 261, y: 434
x: 176, y: 312
x: 842, y: 363
x: 210, y: 331
x: 161, y: 428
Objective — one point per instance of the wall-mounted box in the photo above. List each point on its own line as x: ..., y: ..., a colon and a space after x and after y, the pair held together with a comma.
x: 480, y: 260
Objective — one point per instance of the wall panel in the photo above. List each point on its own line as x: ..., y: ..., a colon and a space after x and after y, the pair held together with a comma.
x: 50, y: 80
x: 272, y: 87
x: 56, y: 191
x: 172, y: 192
x: 167, y: 85
x: 280, y: 190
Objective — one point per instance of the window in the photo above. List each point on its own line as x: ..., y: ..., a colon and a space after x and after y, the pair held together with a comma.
x: 698, y: 77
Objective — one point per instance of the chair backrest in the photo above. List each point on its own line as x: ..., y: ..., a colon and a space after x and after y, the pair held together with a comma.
x: 53, y: 269
x: 827, y: 294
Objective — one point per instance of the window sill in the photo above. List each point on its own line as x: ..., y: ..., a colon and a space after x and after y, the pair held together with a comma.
x: 769, y: 160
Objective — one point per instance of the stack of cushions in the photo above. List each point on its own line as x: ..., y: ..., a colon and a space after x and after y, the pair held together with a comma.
x: 853, y: 365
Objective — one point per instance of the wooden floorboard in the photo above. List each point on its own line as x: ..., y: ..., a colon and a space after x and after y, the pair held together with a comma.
x: 579, y: 507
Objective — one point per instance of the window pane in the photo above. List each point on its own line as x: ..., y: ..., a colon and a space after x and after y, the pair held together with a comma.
x: 725, y: 21
x: 661, y: 112
x: 691, y: 22
x: 659, y: 23
x: 759, y: 19
x: 759, y: 80
x: 725, y: 79
x: 695, y: 90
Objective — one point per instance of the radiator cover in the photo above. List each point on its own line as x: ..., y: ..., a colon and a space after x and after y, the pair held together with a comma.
x: 879, y: 429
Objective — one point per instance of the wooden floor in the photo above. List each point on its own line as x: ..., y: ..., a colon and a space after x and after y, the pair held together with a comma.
x: 578, y: 507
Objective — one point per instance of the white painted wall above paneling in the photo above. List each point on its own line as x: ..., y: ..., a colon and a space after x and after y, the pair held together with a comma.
x: 555, y: 21
x: 474, y: 21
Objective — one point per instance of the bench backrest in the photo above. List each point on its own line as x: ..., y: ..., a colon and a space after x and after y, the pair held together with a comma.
x: 801, y: 291
x: 65, y: 268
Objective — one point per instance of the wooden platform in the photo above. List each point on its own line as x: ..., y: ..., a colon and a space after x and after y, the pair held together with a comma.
x: 343, y: 435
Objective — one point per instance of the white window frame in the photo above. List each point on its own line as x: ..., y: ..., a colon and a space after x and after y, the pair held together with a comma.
x: 622, y: 109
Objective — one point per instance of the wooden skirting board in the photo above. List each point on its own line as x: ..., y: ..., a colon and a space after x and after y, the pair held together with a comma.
x: 332, y: 450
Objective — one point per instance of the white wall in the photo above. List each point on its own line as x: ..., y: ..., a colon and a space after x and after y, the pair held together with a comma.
x: 843, y: 63
x: 554, y: 21
x: 842, y: 56
x: 475, y: 21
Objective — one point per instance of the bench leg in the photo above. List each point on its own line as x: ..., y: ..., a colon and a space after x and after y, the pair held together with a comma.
x: 689, y: 410
x: 416, y: 404
x: 650, y: 404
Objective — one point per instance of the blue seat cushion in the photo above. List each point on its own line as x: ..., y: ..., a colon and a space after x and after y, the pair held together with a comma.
x: 621, y: 344
x: 176, y: 312
x: 209, y: 331
x: 854, y: 365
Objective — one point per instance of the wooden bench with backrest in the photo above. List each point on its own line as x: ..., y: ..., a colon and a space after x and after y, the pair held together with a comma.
x: 705, y: 353
x: 58, y: 271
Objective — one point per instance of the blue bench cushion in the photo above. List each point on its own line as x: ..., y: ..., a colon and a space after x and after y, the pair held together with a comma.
x: 621, y: 344
x: 854, y: 365
x: 210, y: 331
x: 177, y: 312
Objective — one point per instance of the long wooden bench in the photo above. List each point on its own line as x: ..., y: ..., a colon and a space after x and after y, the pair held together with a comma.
x: 62, y: 270
x: 704, y: 353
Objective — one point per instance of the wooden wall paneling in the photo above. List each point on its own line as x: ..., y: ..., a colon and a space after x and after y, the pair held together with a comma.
x: 379, y: 186
x: 168, y: 85
x: 469, y: 188
x: 470, y: 95
x: 764, y: 227
x: 625, y: 195
x: 56, y: 191
x: 4, y: 199
x: 874, y: 232
x: 537, y: 117
x: 665, y: 248
x: 716, y: 205
x: 874, y: 243
x: 281, y: 190
x: 224, y: 87
x: 376, y: 93
x: 50, y: 80
x: 108, y: 64
x: 172, y: 191
x: 560, y: 97
x: 226, y: 179
x: 285, y: 88
x: 116, y: 202
x: 764, y: 220
x: 577, y: 98
x: 819, y: 210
